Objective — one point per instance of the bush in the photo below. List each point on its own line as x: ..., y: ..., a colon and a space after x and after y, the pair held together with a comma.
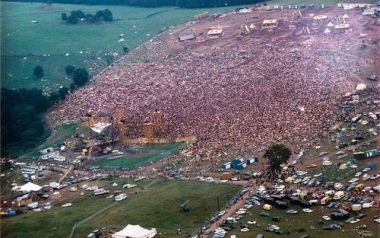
x: 38, y: 71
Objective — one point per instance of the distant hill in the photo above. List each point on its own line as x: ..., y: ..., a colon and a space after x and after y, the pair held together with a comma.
x: 152, y: 3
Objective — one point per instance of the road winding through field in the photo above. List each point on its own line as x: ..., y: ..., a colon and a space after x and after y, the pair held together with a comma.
x: 90, y: 217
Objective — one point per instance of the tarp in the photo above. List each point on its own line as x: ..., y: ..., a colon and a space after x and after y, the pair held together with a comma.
x: 361, y: 86
x: 100, y: 126
x: 30, y: 187
x: 135, y: 231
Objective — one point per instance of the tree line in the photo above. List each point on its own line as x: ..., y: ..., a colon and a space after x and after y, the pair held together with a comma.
x: 153, y: 3
x: 22, y: 112
x: 76, y: 16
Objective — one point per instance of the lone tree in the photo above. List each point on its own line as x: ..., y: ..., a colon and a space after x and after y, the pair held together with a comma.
x: 277, y: 154
x: 38, y: 71
x: 80, y: 77
x: 69, y: 69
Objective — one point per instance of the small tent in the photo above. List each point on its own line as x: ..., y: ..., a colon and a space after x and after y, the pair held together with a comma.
x: 135, y: 231
x: 361, y: 86
x: 29, y: 187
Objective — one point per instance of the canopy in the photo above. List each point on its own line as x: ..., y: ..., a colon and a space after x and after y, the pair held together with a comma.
x: 361, y: 86
x: 30, y: 187
x: 135, y: 231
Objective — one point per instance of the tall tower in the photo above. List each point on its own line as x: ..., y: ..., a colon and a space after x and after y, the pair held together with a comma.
x: 119, y: 122
x: 158, y: 123
x: 148, y: 130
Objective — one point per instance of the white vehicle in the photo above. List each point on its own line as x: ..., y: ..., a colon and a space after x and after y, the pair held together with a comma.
x: 67, y: 205
x: 317, y: 175
x: 353, y: 180
x: 221, y: 213
x: 244, y: 230
x: 366, y: 169
x: 377, y: 188
x: 366, y: 177
x: 307, y: 210
x: 33, y: 205
x: 338, y: 186
x: 375, y: 176
x: 93, y: 188
x: 326, y: 218
x: 338, y: 195
x: 100, y: 191
x: 358, y: 174
x: 251, y: 222
x: 120, y: 197
x: 129, y: 186
x: 327, y: 163
x: 279, y: 188
x: 241, y: 211
x: 291, y: 211
x: 209, y: 179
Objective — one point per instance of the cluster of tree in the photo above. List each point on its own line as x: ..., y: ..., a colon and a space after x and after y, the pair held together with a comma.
x: 22, y: 125
x: 76, y: 16
x: 277, y: 155
x: 155, y: 3
x: 79, y: 76
x: 22, y: 111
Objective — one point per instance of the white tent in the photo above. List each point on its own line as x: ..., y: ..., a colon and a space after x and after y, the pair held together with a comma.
x: 361, y: 86
x: 100, y: 126
x: 30, y: 187
x: 135, y: 231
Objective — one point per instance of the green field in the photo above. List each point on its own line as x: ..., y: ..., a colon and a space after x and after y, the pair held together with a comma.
x: 141, y: 156
x: 155, y: 206
x: 46, y: 43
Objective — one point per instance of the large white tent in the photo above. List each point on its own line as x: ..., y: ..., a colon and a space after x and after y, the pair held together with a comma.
x: 30, y: 187
x: 135, y: 231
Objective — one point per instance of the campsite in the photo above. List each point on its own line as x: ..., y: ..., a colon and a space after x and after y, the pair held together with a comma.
x: 243, y: 121
x: 162, y: 212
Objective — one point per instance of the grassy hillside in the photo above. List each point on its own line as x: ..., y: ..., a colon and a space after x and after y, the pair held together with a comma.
x: 142, y: 156
x: 155, y: 206
x: 53, y: 44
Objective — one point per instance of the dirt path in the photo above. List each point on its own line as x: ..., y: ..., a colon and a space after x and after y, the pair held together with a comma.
x: 90, y: 217
x: 229, y: 212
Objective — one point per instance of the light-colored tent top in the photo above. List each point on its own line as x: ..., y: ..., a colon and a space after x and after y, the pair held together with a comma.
x: 135, y: 231
x: 100, y: 126
x: 361, y: 86
x: 30, y: 187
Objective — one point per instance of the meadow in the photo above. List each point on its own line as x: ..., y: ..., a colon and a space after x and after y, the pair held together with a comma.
x: 140, y: 156
x: 157, y: 205
x: 51, y: 43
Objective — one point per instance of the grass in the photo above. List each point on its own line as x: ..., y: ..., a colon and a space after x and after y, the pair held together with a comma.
x: 46, y: 43
x: 141, y: 156
x: 156, y: 206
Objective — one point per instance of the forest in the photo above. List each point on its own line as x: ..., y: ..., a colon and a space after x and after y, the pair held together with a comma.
x: 153, y: 3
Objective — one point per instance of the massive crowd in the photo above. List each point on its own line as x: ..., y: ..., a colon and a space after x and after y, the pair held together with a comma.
x: 273, y: 93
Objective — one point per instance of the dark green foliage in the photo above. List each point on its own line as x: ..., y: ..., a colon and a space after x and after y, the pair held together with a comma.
x: 125, y: 49
x: 38, y: 71
x: 80, y: 77
x: 64, y: 16
x: 21, y: 120
x: 62, y: 92
x: 277, y: 155
x: 69, y: 69
x: 77, y: 16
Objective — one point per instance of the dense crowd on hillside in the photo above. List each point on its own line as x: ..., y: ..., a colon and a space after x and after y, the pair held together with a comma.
x: 247, y: 99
